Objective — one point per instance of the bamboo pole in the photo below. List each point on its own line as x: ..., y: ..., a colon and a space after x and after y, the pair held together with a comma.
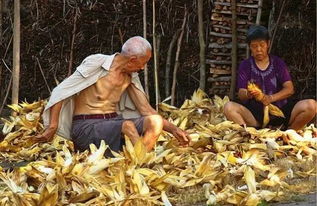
x: 202, y: 80
x: 276, y: 25
x: 257, y: 22
x: 1, y: 11
x: 16, y: 53
x: 259, y: 13
x: 168, y: 64
x: 6, y: 95
x: 146, y: 71
x: 234, y: 50
x: 155, y: 60
x: 71, y: 54
x: 158, y: 47
x: 176, y: 65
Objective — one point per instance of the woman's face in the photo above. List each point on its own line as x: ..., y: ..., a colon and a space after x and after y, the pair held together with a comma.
x: 259, y: 49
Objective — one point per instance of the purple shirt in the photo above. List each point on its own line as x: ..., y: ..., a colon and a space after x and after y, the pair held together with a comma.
x: 270, y: 80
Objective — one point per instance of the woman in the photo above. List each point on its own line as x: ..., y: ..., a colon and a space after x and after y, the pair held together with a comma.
x: 271, y: 74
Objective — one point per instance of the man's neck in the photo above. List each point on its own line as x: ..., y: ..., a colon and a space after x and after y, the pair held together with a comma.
x: 118, y: 64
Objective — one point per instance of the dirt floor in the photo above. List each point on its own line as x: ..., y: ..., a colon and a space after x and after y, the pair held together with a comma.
x: 300, y: 200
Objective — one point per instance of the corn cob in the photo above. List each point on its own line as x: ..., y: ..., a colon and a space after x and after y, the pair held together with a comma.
x: 269, y: 109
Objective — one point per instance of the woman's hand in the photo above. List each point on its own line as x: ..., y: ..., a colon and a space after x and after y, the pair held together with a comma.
x: 255, y: 93
x: 267, y: 99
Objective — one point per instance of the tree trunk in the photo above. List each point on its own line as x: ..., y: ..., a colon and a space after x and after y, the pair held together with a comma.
x: 258, y: 16
x: 202, y: 81
x: 158, y: 48
x: 155, y: 60
x: 71, y: 55
x: 16, y: 53
x: 146, y: 72
x: 234, y: 50
x: 168, y: 64
x: 276, y: 25
x: 179, y: 43
x: 1, y: 11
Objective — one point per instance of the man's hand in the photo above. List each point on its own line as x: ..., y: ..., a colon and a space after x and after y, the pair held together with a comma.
x: 47, y: 135
x: 181, y: 136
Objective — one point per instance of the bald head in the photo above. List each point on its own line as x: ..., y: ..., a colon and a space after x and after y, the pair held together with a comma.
x: 137, y: 46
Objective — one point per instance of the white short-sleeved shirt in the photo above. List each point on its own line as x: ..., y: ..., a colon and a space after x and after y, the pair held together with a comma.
x: 87, y: 73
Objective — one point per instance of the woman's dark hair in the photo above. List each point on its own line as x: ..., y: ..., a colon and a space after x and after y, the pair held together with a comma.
x: 257, y: 32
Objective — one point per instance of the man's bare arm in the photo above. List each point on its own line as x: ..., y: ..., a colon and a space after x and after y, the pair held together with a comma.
x: 143, y: 106
x: 50, y: 131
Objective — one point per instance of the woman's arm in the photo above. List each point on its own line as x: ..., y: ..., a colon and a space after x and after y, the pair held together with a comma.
x: 244, y: 95
x: 286, y: 91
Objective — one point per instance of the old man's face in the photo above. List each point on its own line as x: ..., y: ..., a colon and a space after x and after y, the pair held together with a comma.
x: 136, y: 64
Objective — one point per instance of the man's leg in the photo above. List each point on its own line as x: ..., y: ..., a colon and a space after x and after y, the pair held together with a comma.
x: 152, y: 127
x: 129, y: 129
x: 303, y: 112
x: 239, y: 114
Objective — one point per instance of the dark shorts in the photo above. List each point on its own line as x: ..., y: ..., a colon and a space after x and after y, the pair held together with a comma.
x: 92, y: 131
x: 287, y: 109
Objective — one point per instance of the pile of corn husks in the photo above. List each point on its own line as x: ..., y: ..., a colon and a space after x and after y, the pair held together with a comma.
x: 229, y: 163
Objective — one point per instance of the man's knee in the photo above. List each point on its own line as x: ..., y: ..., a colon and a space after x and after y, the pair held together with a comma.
x: 155, y: 121
x: 127, y: 125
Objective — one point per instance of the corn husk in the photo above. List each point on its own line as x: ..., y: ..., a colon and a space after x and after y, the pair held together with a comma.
x: 270, y: 109
x: 231, y: 164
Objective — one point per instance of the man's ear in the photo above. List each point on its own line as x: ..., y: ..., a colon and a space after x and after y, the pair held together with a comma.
x: 133, y: 59
x: 268, y: 43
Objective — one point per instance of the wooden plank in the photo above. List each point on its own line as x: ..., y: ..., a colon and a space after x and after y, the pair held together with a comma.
x: 219, y: 79
x: 229, y: 28
x: 220, y: 71
x: 253, y: 6
x: 221, y: 87
x: 225, y: 35
x: 229, y: 13
x: 228, y: 46
x: 210, y: 61
x: 227, y: 19
x: 225, y: 54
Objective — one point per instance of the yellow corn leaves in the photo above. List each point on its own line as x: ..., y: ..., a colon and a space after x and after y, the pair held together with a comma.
x: 233, y: 164
x: 275, y: 111
x: 253, y: 87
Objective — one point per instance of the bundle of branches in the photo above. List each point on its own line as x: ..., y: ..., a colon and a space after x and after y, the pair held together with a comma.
x: 227, y: 162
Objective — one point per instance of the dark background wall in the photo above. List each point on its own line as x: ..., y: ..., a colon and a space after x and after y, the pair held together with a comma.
x: 102, y: 26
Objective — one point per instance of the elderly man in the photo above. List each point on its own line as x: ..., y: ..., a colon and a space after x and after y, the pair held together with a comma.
x: 104, y: 99
x: 271, y: 74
